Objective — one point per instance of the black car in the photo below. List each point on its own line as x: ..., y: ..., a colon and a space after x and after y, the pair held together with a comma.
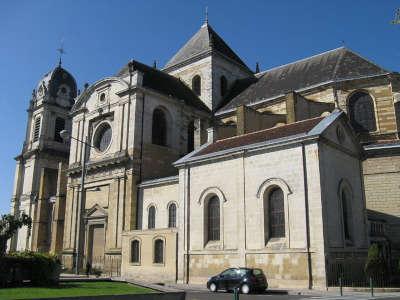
x: 245, y: 279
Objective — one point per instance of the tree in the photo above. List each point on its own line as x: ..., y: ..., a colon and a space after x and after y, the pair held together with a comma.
x: 9, y: 224
x: 376, y: 263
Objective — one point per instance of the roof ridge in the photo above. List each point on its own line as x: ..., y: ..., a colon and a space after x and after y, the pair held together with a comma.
x: 297, y: 61
x: 267, y: 129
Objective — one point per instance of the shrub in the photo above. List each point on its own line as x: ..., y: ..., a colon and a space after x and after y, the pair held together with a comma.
x: 38, y: 268
x: 375, y: 264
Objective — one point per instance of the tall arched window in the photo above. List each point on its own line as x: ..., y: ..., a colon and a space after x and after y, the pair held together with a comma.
x: 159, y: 128
x: 172, y: 215
x: 36, y: 129
x: 213, y: 219
x: 59, y: 126
x: 196, y: 85
x: 361, y: 112
x: 346, y: 213
x: 159, y: 251
x: 151, y: 218
x: 224, y: 85
x: 274, y: 214
x: 190, y: 137
x: 135, y: 251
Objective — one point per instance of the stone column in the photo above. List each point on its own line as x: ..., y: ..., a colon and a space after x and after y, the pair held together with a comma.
x: 57, y: 232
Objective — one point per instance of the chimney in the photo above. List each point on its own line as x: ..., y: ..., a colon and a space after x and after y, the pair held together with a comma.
x: 212, y: 135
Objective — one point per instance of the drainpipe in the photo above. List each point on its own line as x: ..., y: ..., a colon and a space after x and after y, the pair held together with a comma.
x: 309, y: 260
x: 188, y: 224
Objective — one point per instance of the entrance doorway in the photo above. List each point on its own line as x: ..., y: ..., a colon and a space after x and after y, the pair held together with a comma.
x: 96, y: 245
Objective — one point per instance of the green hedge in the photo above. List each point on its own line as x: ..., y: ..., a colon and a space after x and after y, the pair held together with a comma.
x: 36, y: 268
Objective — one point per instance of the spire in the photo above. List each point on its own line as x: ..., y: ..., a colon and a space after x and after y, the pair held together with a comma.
x: 155, y: 64
x: 206, y: 18
x: 257, y: 67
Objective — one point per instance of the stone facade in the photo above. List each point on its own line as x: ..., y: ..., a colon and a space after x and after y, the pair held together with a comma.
x: 140, y: 128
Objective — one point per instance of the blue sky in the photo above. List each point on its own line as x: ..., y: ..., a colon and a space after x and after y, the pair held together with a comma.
x: 101, y: 36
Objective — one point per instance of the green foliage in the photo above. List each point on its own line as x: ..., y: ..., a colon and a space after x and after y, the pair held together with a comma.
x: 9, y: 224
x: 375, y: 264
x: 39, y: 268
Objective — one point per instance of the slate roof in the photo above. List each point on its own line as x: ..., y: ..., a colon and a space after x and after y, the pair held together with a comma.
x: 52, y: 79
x: 261, y: 136
x: 335, y: 65
x: 204, y: 41
x: 165, y: 84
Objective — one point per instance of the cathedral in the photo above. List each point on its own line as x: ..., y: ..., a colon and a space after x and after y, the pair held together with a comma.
x: 174, y: 174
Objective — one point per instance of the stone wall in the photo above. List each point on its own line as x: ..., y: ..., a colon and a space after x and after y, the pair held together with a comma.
x: 382, y: 177
x: 146, y: 269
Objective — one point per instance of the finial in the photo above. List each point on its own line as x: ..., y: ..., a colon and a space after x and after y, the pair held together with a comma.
x: 343, y: 43
x: 79, y: 92
x: 33, y: 93
x: 257, y: 67
x: 155, y: 64
x: 206, y: 19
x: 86, y: 85
x: 61, y: 51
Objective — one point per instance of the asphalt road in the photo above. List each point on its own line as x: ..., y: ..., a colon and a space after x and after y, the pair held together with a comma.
x: 191, y: 295
x: 230, y: 296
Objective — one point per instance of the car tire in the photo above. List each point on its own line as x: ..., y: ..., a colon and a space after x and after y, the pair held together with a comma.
x: 213, y: 287
x: 245, y: 288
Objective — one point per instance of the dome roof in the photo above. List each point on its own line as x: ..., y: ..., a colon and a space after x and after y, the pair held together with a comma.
x: 51, y: 81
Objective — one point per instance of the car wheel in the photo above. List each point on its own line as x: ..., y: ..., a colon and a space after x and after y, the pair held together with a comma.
x: 245, y: 289
x: 213, y: 287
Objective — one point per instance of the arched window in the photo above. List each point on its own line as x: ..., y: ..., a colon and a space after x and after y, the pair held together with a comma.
x: 151, y: 218
x: 213, y: 219
x: 224, y: 85
x: 36, y: 129
x: 159, y: 251
x: 59, y: 126
x: 361, y: 112
x: 172, y: 216
x: 196, y: 85
x: 135, y: 251
x: 159, y: 129
x: 346, y: 213
x: 274, y: 214
x: 190, y: 137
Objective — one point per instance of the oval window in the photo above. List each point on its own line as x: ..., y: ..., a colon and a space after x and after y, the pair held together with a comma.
x: 103, y: 137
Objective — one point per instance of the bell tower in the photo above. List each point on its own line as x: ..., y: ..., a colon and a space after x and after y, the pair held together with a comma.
x: 208, y: 65
x: 38, y: 184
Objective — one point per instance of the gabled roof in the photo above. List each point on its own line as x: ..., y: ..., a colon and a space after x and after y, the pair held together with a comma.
x: 204, y: 41
x: 272, y: 137
x: 261, y: 136
x: 335, y: 65
x: 165, y: 84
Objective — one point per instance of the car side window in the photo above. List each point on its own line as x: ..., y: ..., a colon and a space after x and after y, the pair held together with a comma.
x: 241, y: 272
x: 226, y: 272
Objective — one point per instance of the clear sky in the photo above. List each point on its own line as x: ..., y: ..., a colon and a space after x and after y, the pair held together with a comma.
x: 101, y: 36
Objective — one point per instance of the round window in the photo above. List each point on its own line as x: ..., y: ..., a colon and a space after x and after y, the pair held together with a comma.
x: 103, y: 137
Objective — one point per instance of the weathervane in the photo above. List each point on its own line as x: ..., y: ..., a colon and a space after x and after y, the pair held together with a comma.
x: 61, y: 51
x: 396, y: 17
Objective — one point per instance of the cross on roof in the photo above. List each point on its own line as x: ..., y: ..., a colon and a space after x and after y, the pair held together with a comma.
x: 61, y: 51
